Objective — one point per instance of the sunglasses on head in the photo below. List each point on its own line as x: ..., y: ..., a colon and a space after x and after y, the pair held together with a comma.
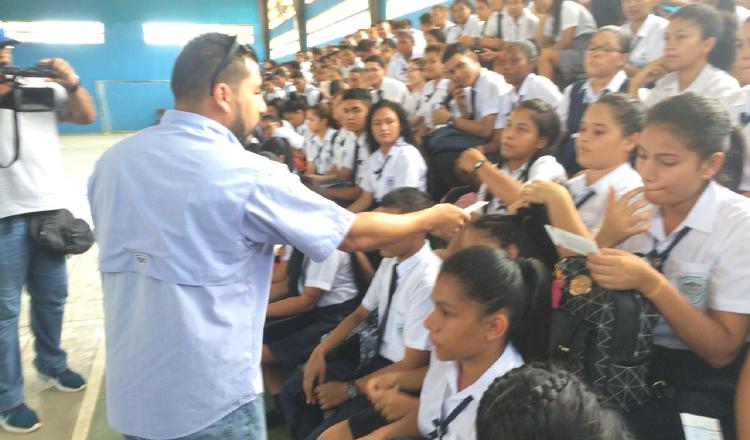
x: 233, y: 49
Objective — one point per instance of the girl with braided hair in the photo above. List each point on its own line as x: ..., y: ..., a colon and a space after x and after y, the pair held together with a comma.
x: 545, y: 402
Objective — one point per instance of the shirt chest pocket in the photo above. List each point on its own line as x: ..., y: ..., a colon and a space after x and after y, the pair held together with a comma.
x: 693, y: 282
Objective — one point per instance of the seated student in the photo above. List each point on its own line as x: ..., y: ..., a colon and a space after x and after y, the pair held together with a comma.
x: 280, y: 148
x: 540, y: 401
x: 416, y: 83
x: 434, y: 36
x: 609, y: 133
x: 319, y: 145
x: 302, y: 88
x: 466, y: 25
x: 273, y: 127
x: 483, y: 300
x: 349, y: 60
x: 399, y: 63
x: 564, y: 30
x: 425, y: 22
x: 532, y: 128
x: 294, y: 112
x: 366, y: 48
x: 394, y: 162
x: 646, y: 33
x: 280, y: 77
x: 400, y: 292
x: 434, y: 91
x: 481, y: 98
x: 695, y: 58
x: 738, y: 102
x: 696, y: 238
x: 270, y: 90
x: 383, y: 88
x: 743, y: 402
x: 386, y: 48
x: 327, y: 289
x: 517, y: 67
x: 356, y: 78
x: 514, y: 23
x: 605, y: 59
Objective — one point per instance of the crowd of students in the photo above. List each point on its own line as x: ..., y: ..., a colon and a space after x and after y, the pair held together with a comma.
x: 632, y: 134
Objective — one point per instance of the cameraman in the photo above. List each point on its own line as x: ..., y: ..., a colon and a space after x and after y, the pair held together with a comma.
x: 29, y: 185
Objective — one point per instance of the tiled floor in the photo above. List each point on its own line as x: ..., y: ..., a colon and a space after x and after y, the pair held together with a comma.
x: 76, y: 416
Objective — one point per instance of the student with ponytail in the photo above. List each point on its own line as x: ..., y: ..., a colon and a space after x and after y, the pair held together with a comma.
x: 483, y: 304
x: 545, y: 402
x: 699, y: 49
x: 696, y: 266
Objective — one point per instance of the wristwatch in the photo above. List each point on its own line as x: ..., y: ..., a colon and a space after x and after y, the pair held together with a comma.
x: 478, y: 164
x: 451, y: 120
x: 351, y: 390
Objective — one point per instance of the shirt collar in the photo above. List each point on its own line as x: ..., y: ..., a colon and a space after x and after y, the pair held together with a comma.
x: 602, y: 185
x: 702, y: 216
x: 196, y: 121
x: 523, y: 90
x: 507, y: 361
x: 612, y: 86
x: 407, y: 265
x: 646, y: 26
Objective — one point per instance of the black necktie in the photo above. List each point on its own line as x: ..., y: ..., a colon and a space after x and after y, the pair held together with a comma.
x: 391, y: 291
x: 659, y: 258
x: 380, y: 95
x: 473, y: 102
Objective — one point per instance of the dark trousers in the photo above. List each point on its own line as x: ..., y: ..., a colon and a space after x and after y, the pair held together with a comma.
x: 307, y: 421
x: 692, y: 386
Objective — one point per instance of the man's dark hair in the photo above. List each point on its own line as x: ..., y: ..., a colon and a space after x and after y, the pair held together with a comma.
x: 438, y: 34
x: 389, y: 42
x: 294, y: 105
x: 194, y: 66
x: 406, y: 200
x: 425, y: 19
x: 365, y: 45
x: 298, y: 74
x: 358, y: 95
x: 376, y: 59
x: 280, y: 72
x: 343, y: 47
x: 455, y: 49
x: 271, y: 117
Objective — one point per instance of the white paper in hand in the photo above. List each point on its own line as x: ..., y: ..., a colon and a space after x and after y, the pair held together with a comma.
x: 700, y: 428
x: 474, y: 207
x: 572, y: 242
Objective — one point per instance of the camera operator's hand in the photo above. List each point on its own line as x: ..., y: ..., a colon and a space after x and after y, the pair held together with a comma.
x: 66, y: 76
x: 5, y: 88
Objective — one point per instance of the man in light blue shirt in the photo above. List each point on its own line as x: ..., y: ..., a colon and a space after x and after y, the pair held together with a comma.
x: 186, y: 221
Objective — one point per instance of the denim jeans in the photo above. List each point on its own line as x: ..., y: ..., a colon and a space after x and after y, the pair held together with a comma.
x: 247, y: 422
x: 43, y: 273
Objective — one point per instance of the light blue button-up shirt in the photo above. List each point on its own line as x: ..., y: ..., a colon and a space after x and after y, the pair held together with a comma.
x: 186, y: 221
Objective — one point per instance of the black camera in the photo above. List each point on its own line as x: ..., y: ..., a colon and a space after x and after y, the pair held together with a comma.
x: 27, y: 97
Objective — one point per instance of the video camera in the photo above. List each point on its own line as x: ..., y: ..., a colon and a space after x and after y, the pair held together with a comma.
x: 27, y: 97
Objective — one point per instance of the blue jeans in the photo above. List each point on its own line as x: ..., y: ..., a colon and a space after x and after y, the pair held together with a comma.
x: 247, y: 422
x: 22, y: 262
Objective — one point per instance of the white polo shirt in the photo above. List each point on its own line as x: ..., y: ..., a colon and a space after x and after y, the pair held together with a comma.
x: 402, y: 167
x: 589, y: 96
x: 413, y: 102
x: 648, y: 43
x: 711, y: 81
x: 472, y: 28
x: 738, y: 104
x: 591, y: 200
x: 411, y: 302
x: 333, y: 275
x: 440, y: 395
x: 710, y: 265
x: 397, y: 67
x: 537, y: 87
x: 488, y: 89
x: 295, y: 139
x: 574, y: 15
x: 514, y: 29
x: 354, y: 144
x: 544, y: 168
x: 320, y: 151
x: 433, y: 97
x: 390, y: 89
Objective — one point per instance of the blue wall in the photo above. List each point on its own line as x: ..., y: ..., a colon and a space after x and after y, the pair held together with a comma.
x: 125, y: 56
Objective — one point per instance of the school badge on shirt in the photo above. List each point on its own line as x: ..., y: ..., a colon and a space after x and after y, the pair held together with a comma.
x: 693, y: 287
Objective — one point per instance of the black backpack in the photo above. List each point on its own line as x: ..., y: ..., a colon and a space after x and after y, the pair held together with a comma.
x: 604, y: 336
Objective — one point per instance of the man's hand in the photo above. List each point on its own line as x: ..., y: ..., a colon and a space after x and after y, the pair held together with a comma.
x: 447, y: 220
x: 394, y: 405
x: 315, y: 370
x: 66, y: 76
x: 441, y: 115
x: 5, y: 88
x: 331, y: 394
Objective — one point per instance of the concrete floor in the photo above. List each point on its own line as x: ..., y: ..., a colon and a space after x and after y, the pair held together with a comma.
x: 77, y: 416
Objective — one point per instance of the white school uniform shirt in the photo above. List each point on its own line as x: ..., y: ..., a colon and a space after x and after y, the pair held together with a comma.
x: 710, y: 82
x: 352, y: 144
x: 333, y: 275
x: 589, y: 96
x: 491, y: 96
x: 544, y: 168
x: 572, y: 14
x: 302, y: 130
x: 709, y: 266
x: 410, y: 305
x: 402, y: 167
x: 648, y: 43
x: 397, y: 67
x: 412, y: 102
x: 320, y: 151
x: 440, y: 395
x: 392, y: 90
x: 514, y: 29
x: 537, y: 87
x: 592, y: 209
x: 738, y: 104
x: 433, y: 97
x: 472, y: 28
x: 295, y: 139
x: 312, y: 95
